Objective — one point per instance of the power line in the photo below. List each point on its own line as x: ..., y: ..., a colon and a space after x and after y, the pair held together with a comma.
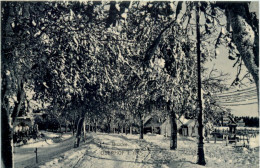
x: 241, y: 99
x: 238, y: 104
x: 250, y: 95
x: 250, y: 91
x: 234, y: 91
x: 236, y: 97
x: 238, y: 100
x: 237, y: 91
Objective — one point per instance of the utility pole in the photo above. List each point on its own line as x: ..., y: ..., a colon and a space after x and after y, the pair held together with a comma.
x: 201, y: 157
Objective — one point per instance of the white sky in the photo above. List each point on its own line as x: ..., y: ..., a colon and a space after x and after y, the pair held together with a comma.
x: 225, y: 65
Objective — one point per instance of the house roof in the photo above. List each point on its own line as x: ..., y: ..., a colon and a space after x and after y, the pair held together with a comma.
x: 152, y: 121
x: 190, y: 122
x: 182, y: 120
x: 240, y: 121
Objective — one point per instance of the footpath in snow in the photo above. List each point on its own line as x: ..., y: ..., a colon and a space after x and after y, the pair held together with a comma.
x: 123, y: 151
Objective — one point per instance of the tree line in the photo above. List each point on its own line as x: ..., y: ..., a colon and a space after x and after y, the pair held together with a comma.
x: 250, y: 121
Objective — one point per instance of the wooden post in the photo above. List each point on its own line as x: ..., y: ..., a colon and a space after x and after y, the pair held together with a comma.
x: 166, y: 131
x: 207, y: 135
x: 96, y: 126
x: 243, y: 140
x: 227, y: 140
x: 248, y: 140
x: 118, y: 128
x: 131, y: 130
x: 235, y: 142
x: 36, y: 155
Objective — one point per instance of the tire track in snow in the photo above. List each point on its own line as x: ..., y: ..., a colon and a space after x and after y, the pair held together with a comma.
x: 135, y: 153
x: 128, y: 151
x: 84, y: 153
x: 141, y: 150
x: 89, y: 155
x: 157, y: 155
x: 81, y: 159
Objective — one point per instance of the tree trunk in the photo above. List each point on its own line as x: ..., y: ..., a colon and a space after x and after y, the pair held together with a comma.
x: 131, y: 129
x: 7, y: 139
x: 84, y: 130
x: 109, y: 120
x: 66, y: 126
x: 245, y: 26
x: 126, y: 130
x: 166, y: 130
x: 201, y: 157
x: 78, y: 133
x: 95, y: 126
x: 108, y: 128
x: 73, y: 125
x: 79, y: 128
x: 73, y: 128
x: 141, y: 127
x: 20, y: 100
x: 7, y: 121
x: 173, y: 138
x: 60, y: 127
x: 118, y: 128
x: 89, y: 126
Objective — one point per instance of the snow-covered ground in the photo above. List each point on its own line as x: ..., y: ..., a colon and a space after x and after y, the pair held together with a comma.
x: 49, y: 146
x: 119, y: 150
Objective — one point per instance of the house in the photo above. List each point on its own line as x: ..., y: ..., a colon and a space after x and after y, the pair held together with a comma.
x: 119, y: 128
x: 24, y: 121
x: 189, y: 128
x: 165, y: 128
x: 241, y: 123
x: 185, y: 127
x: 227, y: 119
x: 152, y: 124
x: 23, y: 124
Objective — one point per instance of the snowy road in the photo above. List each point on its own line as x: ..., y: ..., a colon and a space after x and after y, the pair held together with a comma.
x: 25, y: 157
x: 123, y: 151
x: 112, y: 151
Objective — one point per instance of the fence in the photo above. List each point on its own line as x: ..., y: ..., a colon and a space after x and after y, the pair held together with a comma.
x: 241, y: 135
